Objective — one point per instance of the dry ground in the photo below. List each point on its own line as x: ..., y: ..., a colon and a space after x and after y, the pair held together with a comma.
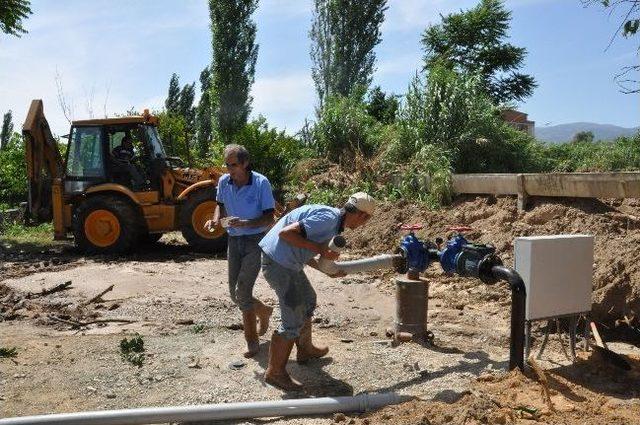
x: 177, y: 301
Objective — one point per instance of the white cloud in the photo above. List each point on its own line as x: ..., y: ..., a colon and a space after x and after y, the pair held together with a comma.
x: 284, y: 100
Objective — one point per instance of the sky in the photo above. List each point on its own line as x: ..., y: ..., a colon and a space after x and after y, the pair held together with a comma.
x: 109, y: 56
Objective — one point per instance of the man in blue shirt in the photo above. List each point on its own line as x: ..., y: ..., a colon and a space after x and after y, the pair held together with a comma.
x: 291, y: 244
x: 245, y: 202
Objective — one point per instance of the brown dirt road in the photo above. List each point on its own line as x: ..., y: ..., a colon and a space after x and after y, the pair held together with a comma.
x: 179, y: 304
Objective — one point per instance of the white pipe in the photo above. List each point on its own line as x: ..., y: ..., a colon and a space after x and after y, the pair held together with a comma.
x: 384, y: 261
x: 211, y: 412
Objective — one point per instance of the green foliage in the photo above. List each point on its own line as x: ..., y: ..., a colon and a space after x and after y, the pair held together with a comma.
x: 172, y: 131
x: 7, y: 130
x: 198, y: 328
x: 453, y: 113
x: 473, y: 42
x: 172, y: 103
x: 132, y: 350
x: 343, y: 35
x: 233, y: 64
x: 12, y: 12
x: 345, y: 130
x: 6, y: 352
x: 583, y: 136
x: 13, y: 172
x: 203, y: 114
x: 273, y: 153
x: 622, y: 154
x: 381, y: 106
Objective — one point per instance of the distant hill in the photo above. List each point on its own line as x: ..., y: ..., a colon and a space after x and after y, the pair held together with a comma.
x: 564, y: 132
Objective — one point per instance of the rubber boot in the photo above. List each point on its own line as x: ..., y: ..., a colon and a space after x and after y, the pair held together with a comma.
x: 250, y: 333
x: 276, y: 373
x: 263, y: 312
x: 305, y: 348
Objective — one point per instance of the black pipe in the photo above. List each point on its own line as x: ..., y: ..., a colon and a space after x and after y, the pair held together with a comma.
x: 518, y: 305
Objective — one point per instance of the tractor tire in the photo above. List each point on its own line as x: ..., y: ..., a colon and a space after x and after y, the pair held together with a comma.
x: 106, y: 225
x: 196, y: 210
x: 147, y: 238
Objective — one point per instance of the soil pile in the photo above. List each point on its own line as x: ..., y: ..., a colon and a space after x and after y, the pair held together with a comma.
x: 495, y: 220
x: 590, y: 392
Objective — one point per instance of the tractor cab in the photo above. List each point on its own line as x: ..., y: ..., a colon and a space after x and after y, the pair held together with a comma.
x: 126, y: 151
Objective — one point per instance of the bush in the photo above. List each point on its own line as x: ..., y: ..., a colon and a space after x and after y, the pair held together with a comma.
x: 345, y: 130
x: 622, y: 154
x: 453, y: 114
x: 13, y: 172
x: 273, y: 153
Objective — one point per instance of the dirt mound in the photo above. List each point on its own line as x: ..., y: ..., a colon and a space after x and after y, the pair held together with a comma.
x: 591, y: 392
x: 615, y: 224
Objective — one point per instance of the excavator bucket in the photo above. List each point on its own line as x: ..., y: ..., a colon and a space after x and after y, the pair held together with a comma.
x: 44, y: 163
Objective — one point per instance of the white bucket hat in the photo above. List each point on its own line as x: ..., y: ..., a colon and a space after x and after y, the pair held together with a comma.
x: 363, y: 202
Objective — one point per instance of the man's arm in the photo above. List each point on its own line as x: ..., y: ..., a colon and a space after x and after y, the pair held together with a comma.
x: 292, y: 234
x: 266, y: 219
x: 218, y: 213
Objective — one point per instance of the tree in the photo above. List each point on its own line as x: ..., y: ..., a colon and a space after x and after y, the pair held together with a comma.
x: 203, y: 114
x: 343, y: 34
x: 7, y: 130
x: 188, y: 112
x: 629, y: 27
x: 233, y: 64
x: 172, y: 104
x: 583, y: 137
x: 12, y: 12
x: 381, y: 106
x: 473, y: 42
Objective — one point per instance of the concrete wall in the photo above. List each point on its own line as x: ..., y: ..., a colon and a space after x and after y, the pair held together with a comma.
x: 585, y: 185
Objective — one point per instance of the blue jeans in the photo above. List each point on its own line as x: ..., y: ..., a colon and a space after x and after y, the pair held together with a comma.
x: 296, y: 297
x: 243, y: 257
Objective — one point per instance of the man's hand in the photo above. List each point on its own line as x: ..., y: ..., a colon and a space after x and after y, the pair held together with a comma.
x: 236, y: 222
x: 211, y: 225
x: 328, y: 254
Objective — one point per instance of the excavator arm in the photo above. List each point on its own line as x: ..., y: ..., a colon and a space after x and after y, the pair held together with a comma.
x: 45, y: 167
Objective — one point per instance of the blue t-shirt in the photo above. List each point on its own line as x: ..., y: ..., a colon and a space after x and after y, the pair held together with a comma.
x: 319, y: 223
x: 247, y: 202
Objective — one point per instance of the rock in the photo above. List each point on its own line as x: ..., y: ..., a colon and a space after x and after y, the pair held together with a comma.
x: 237, y: 365
x: 92, y: 389
x: 110, y: 395
x: 184, y: 322
x: 339, y: 417
x: 346, y: 340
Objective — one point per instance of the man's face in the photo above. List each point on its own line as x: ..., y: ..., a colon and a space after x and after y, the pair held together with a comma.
x: 237, y: 170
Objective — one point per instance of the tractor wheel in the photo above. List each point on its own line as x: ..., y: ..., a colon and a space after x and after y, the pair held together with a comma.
x: 106, y: 225
x: 147, y: 238
x: 197, y: 209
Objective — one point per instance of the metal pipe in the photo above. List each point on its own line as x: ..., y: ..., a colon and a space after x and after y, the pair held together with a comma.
x: 211, y: 412
x: 383, y: 261
x: 518, y: 306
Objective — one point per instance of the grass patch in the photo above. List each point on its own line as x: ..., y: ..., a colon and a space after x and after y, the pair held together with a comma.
x: 132, y: 350
x: 19, y: 236
x: 8, y: 352
x: 198, y: 328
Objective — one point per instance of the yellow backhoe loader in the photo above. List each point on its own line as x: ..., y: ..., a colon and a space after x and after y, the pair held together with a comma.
x: 117, y: 188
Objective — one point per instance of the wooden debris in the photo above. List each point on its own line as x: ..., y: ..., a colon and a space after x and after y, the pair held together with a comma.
x: 57, y: 288
x: 99, y: 296
x: 78, y: 324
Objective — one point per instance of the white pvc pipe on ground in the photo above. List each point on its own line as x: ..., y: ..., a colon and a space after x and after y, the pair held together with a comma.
x: 211, y: 412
